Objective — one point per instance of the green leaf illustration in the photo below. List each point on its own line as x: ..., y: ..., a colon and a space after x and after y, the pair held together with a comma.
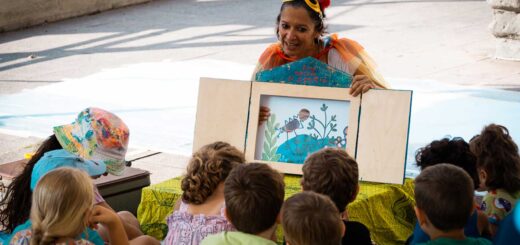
x: 265, y: 157
x: 270, y: 139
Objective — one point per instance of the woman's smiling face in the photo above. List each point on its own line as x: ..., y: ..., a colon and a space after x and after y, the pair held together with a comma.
x: 297, y: 32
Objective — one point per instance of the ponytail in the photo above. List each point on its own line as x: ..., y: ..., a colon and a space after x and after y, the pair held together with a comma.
x: 17, y: 198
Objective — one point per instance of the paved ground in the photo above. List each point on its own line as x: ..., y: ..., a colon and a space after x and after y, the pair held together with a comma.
x: 143, y: 46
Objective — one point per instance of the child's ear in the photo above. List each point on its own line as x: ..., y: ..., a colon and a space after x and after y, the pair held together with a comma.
x: 279, y: 217
x: 226, y: 215
x: 301, y: 184
x: 421, y: 216
x: 356, y: 193
x: 353, y: 198
x: 343, y: 228
x: 482, y: 177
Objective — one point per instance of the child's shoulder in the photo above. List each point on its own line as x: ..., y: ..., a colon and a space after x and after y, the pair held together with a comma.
x: 236, y: 238
x: 182, y: 215
x: 356, y: 233
x: 21, y: 237
x: 82, y: 242
x: 449, y: 241
x: 477, y: 241
x: 499, y: 199
x: 505, y: 194
x: 76, y: 242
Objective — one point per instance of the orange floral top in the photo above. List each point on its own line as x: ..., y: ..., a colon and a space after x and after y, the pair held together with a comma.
x: 344, y: 54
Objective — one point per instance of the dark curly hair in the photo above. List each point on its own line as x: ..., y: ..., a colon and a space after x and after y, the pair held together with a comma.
x: 497, y: 154
x: 16, y: 203
x: 208, y: 167
x: 453, y: 151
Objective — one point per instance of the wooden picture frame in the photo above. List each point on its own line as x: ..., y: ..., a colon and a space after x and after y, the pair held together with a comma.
x: 384, y: 125
x: 377, y: 138
x: 222, y: 109
x: 260, y: 89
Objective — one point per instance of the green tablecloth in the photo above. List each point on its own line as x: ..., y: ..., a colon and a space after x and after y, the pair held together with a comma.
x: 387, y: 210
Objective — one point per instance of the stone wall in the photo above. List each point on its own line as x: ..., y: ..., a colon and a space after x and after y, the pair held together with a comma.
x: 506, y: 28
x: 16, y: 14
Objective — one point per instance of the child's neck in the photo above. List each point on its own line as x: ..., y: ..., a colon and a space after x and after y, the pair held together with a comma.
x: 268, y: 234
x: 453, y: 234
x: 212, y: 205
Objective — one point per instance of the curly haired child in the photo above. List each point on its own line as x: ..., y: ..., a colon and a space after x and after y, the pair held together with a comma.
x: 200, y: 211
x: 498, y: 164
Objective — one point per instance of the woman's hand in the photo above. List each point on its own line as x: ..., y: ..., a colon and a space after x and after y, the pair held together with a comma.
x: 361, y: 84
x: 264, y: 114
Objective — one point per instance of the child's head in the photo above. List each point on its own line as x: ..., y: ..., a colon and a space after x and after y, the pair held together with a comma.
x: 444, y: 197
x: 209, y: 167
x: 60, y: 205
x: 498, y: 160
x: 453, y: 151
x: 254, y: 195
x: 15, y: 205
x: 332, y: 172
x: 311, y: 218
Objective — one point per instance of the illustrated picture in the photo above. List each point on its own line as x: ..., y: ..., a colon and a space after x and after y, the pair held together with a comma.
x: 298, y: 127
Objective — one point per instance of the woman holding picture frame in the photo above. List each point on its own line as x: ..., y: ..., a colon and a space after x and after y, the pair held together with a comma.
x: 300, y: 29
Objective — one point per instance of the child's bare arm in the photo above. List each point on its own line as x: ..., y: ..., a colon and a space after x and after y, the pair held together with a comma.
x: 483, y: 224
x: 107, y: 217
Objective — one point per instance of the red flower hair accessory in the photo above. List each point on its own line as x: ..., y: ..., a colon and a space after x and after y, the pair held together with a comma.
x: 324, y: 4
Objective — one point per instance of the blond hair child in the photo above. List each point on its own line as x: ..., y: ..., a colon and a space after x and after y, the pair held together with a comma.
x: 62, y: 209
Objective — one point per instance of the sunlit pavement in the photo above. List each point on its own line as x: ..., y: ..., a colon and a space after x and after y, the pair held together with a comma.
x: 159, y: 104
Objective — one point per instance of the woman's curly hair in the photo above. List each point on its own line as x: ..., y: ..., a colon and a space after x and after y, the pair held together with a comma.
x: 498, y: 155
x: 453, y: 151
x: 208, y: 167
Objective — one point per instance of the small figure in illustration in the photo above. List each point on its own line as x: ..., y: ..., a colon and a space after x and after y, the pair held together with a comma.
x: 304, y: 114
x: 296, y: 122
x: 342, y: 142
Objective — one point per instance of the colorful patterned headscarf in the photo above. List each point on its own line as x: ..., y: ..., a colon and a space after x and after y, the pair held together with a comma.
x: 96, y: 135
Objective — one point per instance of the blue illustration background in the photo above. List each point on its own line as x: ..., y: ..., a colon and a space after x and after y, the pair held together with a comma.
x: 298, y: 127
